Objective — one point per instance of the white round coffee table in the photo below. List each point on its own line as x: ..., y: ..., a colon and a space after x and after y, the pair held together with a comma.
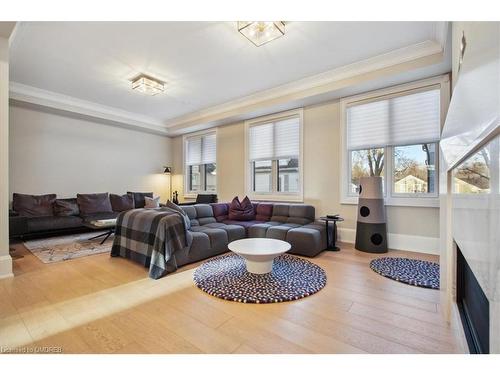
x: 259, y: 253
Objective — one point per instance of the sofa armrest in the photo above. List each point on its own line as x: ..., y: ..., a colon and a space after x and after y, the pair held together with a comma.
x: 18, y: 226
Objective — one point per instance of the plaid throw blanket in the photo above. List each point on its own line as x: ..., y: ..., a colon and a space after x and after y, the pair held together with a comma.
x: 150, y: 237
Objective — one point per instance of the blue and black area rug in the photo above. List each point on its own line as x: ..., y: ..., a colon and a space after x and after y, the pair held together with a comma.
x: 409, y: 271
x: 292, y: 278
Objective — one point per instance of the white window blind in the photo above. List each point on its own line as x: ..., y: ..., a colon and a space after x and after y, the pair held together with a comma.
x: 400, y: 120
x: 275, y: 140
x: 201, y: 149
x: 209, y: 149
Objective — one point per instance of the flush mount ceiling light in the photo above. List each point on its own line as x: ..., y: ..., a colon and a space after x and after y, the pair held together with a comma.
x: 148, y: 85
x: 261, y: 32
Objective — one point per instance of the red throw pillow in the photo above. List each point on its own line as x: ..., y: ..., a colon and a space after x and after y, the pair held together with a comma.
x: 243, y: 211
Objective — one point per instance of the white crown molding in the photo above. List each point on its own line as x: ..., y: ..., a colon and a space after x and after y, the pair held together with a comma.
x: 44, y: 98
x: 441, y: 32
x: 426, y: 53
x: 313, y: 85
x: 14, y: 33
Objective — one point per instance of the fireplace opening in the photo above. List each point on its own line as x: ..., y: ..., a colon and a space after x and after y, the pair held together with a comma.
x: 474, y: 308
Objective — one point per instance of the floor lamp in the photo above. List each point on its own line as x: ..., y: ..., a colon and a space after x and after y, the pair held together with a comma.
x: 168, y: 171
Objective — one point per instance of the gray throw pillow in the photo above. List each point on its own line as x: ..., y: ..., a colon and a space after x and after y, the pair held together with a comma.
x: 173, y: 206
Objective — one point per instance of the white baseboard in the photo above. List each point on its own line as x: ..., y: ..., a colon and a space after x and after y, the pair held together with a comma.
x: 346, y: 235
x: 5, y: 266
x: 418, y: 244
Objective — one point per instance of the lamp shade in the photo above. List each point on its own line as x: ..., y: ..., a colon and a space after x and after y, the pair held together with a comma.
x: 167, y: 170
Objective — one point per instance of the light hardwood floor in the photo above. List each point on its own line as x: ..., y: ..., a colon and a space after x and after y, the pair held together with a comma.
x: 100, y: 304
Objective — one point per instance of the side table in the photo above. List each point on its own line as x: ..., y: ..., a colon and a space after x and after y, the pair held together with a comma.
x: 332, y: 246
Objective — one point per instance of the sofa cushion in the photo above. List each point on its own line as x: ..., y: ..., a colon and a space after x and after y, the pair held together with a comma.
x: 49, y: 223
x: 218, y: 237
x: 258, y: 230
x: 190, y: 211
x: 241, y: 211
x: 221, y: 211
x: 279, y: 232
x: 34, y: 205
x: 308, y: 241
x: 206, y: 220
x: 139, y: 200
x: 203, y: 210
x: 280, y: 212
x: 301, y: 214
x: 215, y: 225
x: 245, y: 224
x: 199, y: 248
x: 264, y: 211
x: 66, y: 207
x: 120, y: 203
x: 234, y: 232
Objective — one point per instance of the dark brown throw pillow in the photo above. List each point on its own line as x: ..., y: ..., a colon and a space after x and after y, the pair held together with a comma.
x: 93, y: 203
x: 241, y: 211
x: 139, y: 200
x: 121, y: 203
x: 33, y: 205
x: 66, y: 207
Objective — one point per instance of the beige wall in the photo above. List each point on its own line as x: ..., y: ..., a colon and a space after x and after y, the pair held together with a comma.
x: 321, y: 172
x: 54, y: 153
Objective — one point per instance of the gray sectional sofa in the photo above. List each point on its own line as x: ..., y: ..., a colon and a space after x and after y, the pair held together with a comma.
x: 211, y: 230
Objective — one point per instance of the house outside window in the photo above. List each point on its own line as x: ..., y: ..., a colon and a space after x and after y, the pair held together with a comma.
x: 274, y: 157
x: 394, y: 133
x: 200, y: 166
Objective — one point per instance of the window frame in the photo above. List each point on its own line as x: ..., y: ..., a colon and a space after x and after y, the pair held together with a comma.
x: 188, y: 193
x: 391, y: 198
x: 274, y: 195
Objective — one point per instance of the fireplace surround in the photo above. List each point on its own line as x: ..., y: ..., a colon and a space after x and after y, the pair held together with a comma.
x: 474, y: 308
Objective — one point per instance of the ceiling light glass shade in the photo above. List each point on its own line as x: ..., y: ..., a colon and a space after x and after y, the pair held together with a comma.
x: 261, y: 32
x: 148, y: 85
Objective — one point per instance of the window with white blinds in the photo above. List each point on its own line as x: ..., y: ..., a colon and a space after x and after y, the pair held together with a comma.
x: 399, y: 120
x: 275, y: 140
x: 200, y: 164
x: 201, y: 149
x: 394, y: 133
x: 274, y: 160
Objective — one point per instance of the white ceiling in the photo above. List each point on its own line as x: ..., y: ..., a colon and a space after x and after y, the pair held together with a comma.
x: 204, y: 64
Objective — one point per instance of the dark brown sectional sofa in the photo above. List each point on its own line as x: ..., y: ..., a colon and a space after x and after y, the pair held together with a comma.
x: 45, y: 215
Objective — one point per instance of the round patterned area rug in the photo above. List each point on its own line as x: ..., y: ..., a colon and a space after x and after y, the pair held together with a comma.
x: 409, y: 271
x: 292, y: 278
